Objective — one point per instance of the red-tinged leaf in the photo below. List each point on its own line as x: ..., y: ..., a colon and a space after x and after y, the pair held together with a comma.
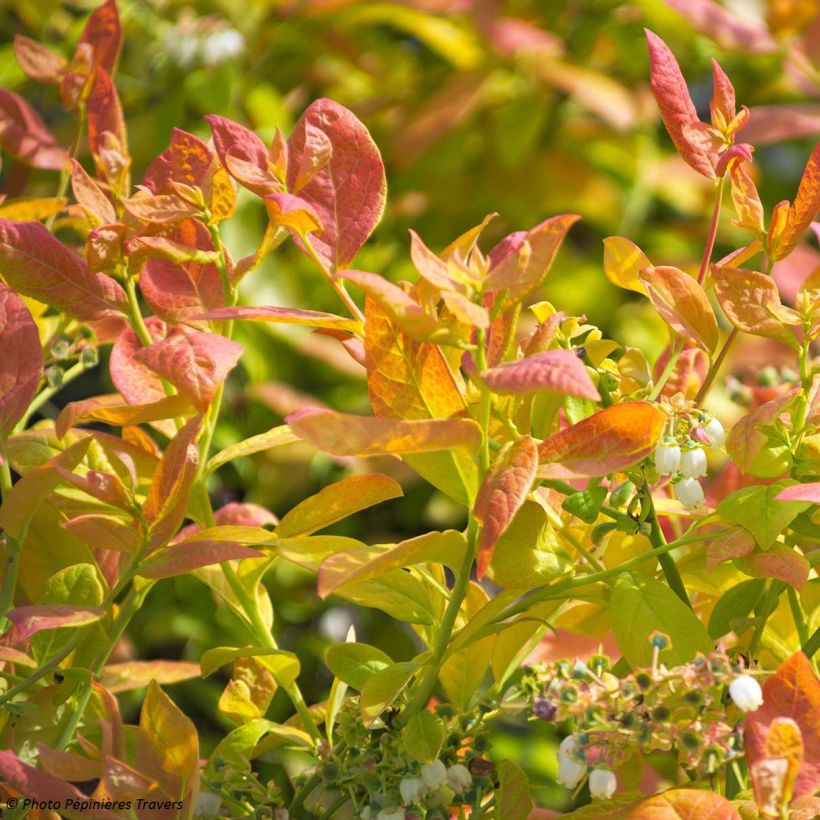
x: 32, y: 619
x: 294, y: 213
x: 337, y: 501
x: 25, y: 136
x: 105, y: 532
x: 342, y: 434
x: 167, y: 499
x: 36, y: 264
x: 195, y: 363
x: 104, y: 247
x: 189, y: 555
x: 90, y: 196
x: 688, y: 373
x: 68, y: 766
x: 104, y: 114
x: 774, y: 123
x: 9, y: 655
x: 606, y: 442
x: 39, y: 62
x: 162, y: 209
x: 782, y: 563
x: 348, y: 192
x: 736, y: 542
x: 129, y: 675
x: 742, y: 152
x: 683, y: 304
x: 675, y: 104
x: 504, y: 490
x: 281, y: 315
x: 746, y: 441
x: 243, y: 154
x: 685, y: 804
x: 749, y: 298
x: 21, y: 363
x: 112, y: 410
x: 136, y: 382
x: 178, y: 291
x: 103, y: 33
x: 431, y: 267
x: 404, y: 312
x: 746, y: 199
x: 103, y: 486
x: 803, y: 211
x: 558, y: 370
x: 188, y: 160
x: 519, y: 263
x: 801, y: 492
x: 723, y: 104
x: 244, y: 513
x: 39, y: 785
x: 792, y: 692
x: 727, y: 29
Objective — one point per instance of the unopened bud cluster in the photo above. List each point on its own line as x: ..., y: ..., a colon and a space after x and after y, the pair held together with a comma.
x: 682, y: 708
x: 681, y: 455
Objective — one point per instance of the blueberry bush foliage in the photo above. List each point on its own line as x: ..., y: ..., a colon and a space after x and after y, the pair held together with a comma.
x: 581, y: 470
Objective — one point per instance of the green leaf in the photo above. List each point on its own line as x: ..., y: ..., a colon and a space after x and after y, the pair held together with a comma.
x: 356, y: 663
x: 736, y: 602
x: 238, y: 745
x: 585, y: 505
x: 423, y: 736
x: 284, y: 666
x: 756, y: 509
x: 640, y: 606
x: 275, y: 437
x: 384, y: 686
x: 513, y: 794
x: 398, y: 593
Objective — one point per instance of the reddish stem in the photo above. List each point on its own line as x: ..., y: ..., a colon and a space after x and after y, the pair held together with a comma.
x: 713, y: 226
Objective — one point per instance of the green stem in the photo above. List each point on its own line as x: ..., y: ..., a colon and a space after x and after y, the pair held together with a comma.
x: 48, y: 393
x: 13, y: 546
x: 43, y: 670
x: 769, y: 604
x: 797, y: 614
x: 668, y: 369
x: 335, y: 283
x: 715, y: 366
x: 812, y: 644
x: 135, y: 314
x: 222, y: 266
x: 667, y: 563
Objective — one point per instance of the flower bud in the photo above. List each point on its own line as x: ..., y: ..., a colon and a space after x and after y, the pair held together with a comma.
x: 689, y: 492
x: 434, y: 774
x: 715, y: 433
x: 459, y: 778
x: 693, y: 462
x: 413, y: 790
x: 570, y: 770
x: 544, y: 709
x: 602, y: 783
x: 667, y: 456
x: 207, y: 805
x: 745, y: 691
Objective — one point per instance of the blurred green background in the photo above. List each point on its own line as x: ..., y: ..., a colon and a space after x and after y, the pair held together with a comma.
x: 526, y: 108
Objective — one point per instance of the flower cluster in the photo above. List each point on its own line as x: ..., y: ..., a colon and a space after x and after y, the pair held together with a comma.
x: 228, y: 790
x: 682, y: 708
x: 681, y: 453
x: 371, y: 773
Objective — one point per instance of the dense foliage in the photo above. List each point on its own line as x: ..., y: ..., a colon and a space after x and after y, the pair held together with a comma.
x: 531, y: 477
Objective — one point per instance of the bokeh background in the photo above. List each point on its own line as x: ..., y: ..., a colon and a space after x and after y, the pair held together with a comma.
x: 527, y: 108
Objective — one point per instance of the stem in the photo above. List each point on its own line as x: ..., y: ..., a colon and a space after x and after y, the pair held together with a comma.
x: 668, y: 565
x: 769, y: 603
x: 797, y: 614
x: 714, y: 368
x: 47, y: 393
x: 222, y: 266
x: 13, y: 546
x: 812, y: 644
x: 135, y: 315
x: 333, y: 281
x: 668, y: 369
x: 713, y: 226
x: 43, y: 670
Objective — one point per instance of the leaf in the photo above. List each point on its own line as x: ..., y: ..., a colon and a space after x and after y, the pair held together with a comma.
x: 21, y: 365
x: 98, y: 208
x: 727, y: 545
x: 746, y: 199
x: 641, y: 605
x: 294, y: 213
x: 748, y: 298
x: 792, y: 692
x: 355, y: 663
x: 129, y: 675
x: 39, y: 62
x: 683, y: 304
x: 284, y: 666
x: 30, y: 620
x: 250, y: 167
x: 361, y: 564
x: 384, y: 686
x: 400, y: 594
x: 623, y: 262
x: 423, y: 736
x: 195, y: 363
x: 737, y: 602
x: 730, y: 31
x: 188, y: 555
x: 275, y: 437
x: 348, y: 191
x: 513, y: 793
x: 30, y: 210
x: 342, y: 434
x: 558, y: 370
x: 103, y: 33
x: 675, y: 104
x: 337, y: 501
x: 757, y: 510
x: 281, y: 315
x: 502, y: 493
x: 608, y: 441
x: 25, y: 136
x: 783, y: 563
x: 36, y: 264
x: 801, y: 492
x: 685, y: 804
x: 803, y: 211
x: 106, y: 128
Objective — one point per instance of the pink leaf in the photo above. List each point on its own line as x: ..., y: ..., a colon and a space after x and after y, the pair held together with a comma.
x: 36, y: 264
x: 801, y: 492
x: 348, y: 192
x: 90, y: 196
x: 234, y: 141
x: 188, y: 555
x: 774, y: 123
x: 103, y: 33
x: 675, y: 104
x: 21, y: 362
x: 195, y: 363
x: 32, y: 619
x: 280, y: 315
x: 104, y: 113
x: 728, y: 30
x: 728, y: 544
x: 129, y: 675
x: 782, y: 563
x: 25, y: 136
x: 558, y: 370
x: 723, y: 94
x: 136, y: 382
x: 504, y: 490
x: 38, y: 62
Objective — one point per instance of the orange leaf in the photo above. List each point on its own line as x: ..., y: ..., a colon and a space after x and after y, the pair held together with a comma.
x: 623, y: 262
x: 804, y: 209
x: 608, y: 441
x: 685, y: 804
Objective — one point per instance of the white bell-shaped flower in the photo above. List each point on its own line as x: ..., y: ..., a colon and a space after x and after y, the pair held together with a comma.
x: 571, y: 771
x: 459, y: 778
x: 602, y: 783
x: 693, y: 462
x: 434, y: 774
x: 689, y: 492
x: 745, y: 691
x: 714, y: 431
x: 667, y: 456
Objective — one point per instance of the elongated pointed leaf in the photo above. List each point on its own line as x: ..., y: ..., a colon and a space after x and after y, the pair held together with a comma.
x: 801, y: 492
x: 608, y: 441
x: 275, y: 437
x: 39, y: 62
x: 25, y: 136
x: 188, y: 555
x: 623, y: 262
x: 103, y: 33
x: 558, y: 370
x: 504, y: 490
x: 803, y: 211
x: 129, y: 675
x: 243, y: 154
x: 281, y: 315
x: 685, y: 804
x: 136, y: 382
x: 32, y: 619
